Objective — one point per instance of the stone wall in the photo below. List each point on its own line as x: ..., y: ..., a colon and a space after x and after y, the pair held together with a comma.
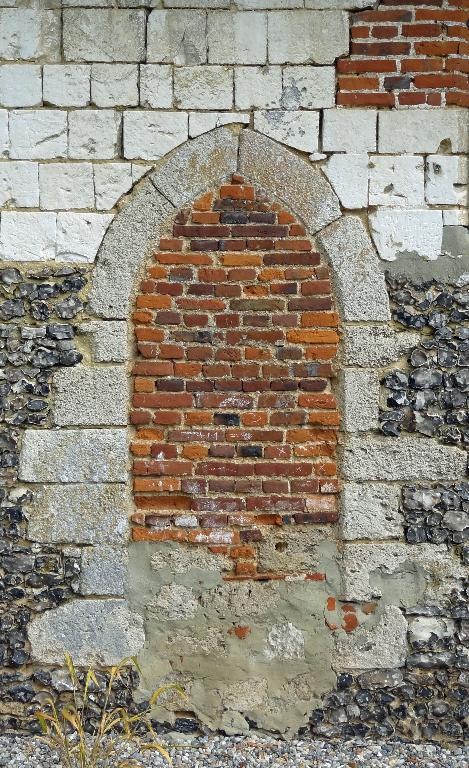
x: 229, y: 442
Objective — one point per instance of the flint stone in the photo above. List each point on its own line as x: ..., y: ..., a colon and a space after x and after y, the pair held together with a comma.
x: 93, y: 632
x: 74, y: 456
x: 382, y: 678
x: 80, y: 514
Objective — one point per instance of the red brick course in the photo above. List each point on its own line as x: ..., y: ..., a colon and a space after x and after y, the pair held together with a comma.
x: 392, y: 45
x: 234, y: 414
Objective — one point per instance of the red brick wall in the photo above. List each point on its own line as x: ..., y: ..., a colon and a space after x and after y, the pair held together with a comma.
x: 235, y: 421
x: 407, y: 54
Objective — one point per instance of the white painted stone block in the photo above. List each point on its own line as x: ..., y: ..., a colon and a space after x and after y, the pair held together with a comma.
x: 4, y: 142
x: 370, y: 511
x: 348, y: 174
x: 93, y: 134
x: 308, y: 87
x: 150, y: 135
x: 397, y: 181
x: 203, y: 87
x: 295, y: 129
x: 446, y: 180
x: 412, y: 130
x: 66, y: 185
x: 258, y: 87
x: 104, y: 34
x: 19, y: 187
x: 29, y: 34
x: 178, y: 37
x: 111, y: 181
x: 156, y: 86
x: 307, y: 37
x: 201, y: 122
x: 235, y: 38
x: 20, y: 85
x: 27, y: 236
x: 38, y: 134
x: 114, y: 85
x: 349, y: 130
x: 66, y: 85
x: 454, y: 217
x: 91, y: 396
x: 416, y: 233
x: 79, y: 235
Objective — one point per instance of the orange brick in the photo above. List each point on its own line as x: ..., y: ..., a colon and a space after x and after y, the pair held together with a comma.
x: 324, y: 417
x: 241, y: 260
x: 313, y: 337
x: 204, y: 203
x: 194, y: 452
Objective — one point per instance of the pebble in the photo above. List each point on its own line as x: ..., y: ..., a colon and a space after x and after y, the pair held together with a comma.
x: 255, y: 751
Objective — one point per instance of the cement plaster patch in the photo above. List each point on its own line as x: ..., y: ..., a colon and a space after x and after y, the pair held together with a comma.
x: 379, y: 647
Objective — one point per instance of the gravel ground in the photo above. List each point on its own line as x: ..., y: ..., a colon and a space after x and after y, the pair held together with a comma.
x: 260, y: 752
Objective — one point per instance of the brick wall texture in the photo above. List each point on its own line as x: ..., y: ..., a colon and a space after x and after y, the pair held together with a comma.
x: 407, y: 54
x: 236, y: 423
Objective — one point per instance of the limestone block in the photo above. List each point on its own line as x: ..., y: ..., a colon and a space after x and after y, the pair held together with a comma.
x: 19, y: 186
x: 4, y: 142
x: 294, y: 181
x: 259, y: 87
x: 383, y: 646
x: 27, y: 236
x: 408, y: 458
x: 307, y: 37
x: 353, y: 5
x: 104, y: 34
x: 446, y: 180
x: 456, y: 237
x: 411, y: 131
x: 296, y: 129
x: 38, y: 134
x: 94, y: 134
x: 417, y: 233
x: 454, y: 217
x: 114, y: 85
x: 359, y: 389
x: 370, y: 511
x: 66, y: 185
x: 156, y: 86
x: 29, y: 34
x: 66, y: 85
x: 20, y: 85
x: 90, y: 396
x: 349, y: 130
x: 104, y: 571
x: 252, y: 5
x: 139, y: 169
x: 177, y: 37
x: 348, y: 174
x: 79, y: 235
x: 74, y: 456
x: 93, y: 513
x: 197, y: 4
x: 202, y: 122
x: 397, y: 181
x: 150, y: 135
x: 203, y: 87
x: 94, y: 632
x: 375, y: 346
x: 308, y: 87
x: 127, y: 243
x: 197, y: 166
x: 111, y: 181
x: 108, y: 340
x: 359, y: 284
x: 235, y: 38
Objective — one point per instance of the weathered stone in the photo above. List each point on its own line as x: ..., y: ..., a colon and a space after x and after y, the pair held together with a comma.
x: 411, y: 131
x: 20, y: 85
x: 66, y: 185
x: 80, y: 514
x: 296, y: 129
x: 305, y: 37
x: 93, y: 134
x: 359, y: 284
x: 407, y: 233
x: 174, y: 602
x: 4, y: 140
x: 197, y: 166
x: 347, y: 130
x: 359, y: 392
x: 423, y: 628
x: 446, y: 180
x: 114, y: 85
x: 91, y: 396
x: 374, y: 458
x: 374, y: 346
x: 308, y: 87
x: 19, y: 186
x: 111, y: 181
x: 79, y: 235
x: 26, y: 236
x: 202, y: 122
x: 290, y: 178
x: 370, y: 511
x: 66, y: 85
x: 38, y: 134
x: 237, y: 37
x: 175, y: 559
x: 104, y: 34
x: 93, y: 632
x: 397, y: 181
x: 380, y: 647
x: 207, y: 87
x: 259, y: 87
x: 156, y: 86
x: 285, y: 641
x: 108, y: 340
x: 29, y: 34
x: 177, y: 37
x: 150, y: 135
x: 104, y: 571
x: 74, y: 456
x: 348, y: 174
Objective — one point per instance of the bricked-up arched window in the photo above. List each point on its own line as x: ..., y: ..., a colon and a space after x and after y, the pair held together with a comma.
x: 235, y: 419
